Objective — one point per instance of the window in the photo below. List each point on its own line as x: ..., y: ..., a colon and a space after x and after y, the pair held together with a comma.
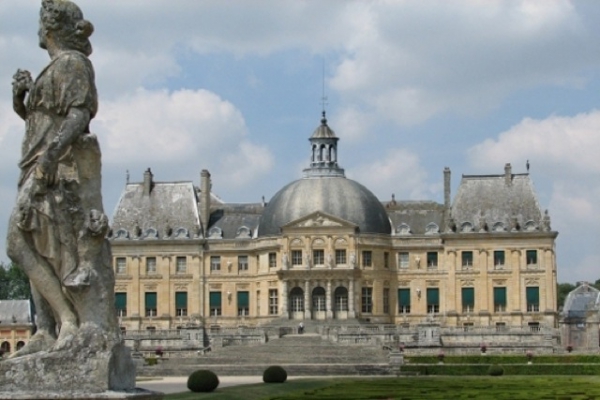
x: 242, y: 263
x: 500, y: 299
x: 340, y: 256
x: 318, y: 299
x: 297, y: 299
x: 150, y: 303
x: 531, y: 256
x: 499, y: 258
x: 243, y: 303
x: 404, y: 301
x: 468, y: 299
x: 215, y: 263
x: 534, y: 326
x: 272, y: 260
x: 150, y: 265
x: 180, y: 265
x: 273, y: 302
x: 433, y: 300
x: 532, y: 295
x: 341, y: 299
x: 181, y: 304
x: 432, y: 259
x: 214, y: 302
x: 121, y: 265
x: 367, y: 299
x: 367, y: 258
x: 467, y: 259
x: 386, y: 300
x: 318, y: 257
x: 296, y: 257
x: 501, y: 326
x: 403, y: 261
x: 121, y: 304
x: 386, y: 260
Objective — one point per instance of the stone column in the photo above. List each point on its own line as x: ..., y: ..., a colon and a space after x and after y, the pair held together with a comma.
x: 307, y: 300
x: 351, y: 300
x: 328, y: 295
x: 285, y: 311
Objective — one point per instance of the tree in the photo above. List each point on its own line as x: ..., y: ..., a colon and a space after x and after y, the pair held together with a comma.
x: 14, y: 283
x: 562, y: 290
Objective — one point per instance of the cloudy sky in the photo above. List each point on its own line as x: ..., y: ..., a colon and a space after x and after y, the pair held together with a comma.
x: 412, y: 86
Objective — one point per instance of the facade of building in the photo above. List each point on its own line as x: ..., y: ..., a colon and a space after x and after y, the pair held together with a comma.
x: 325, y: 248
x: 16, y: 325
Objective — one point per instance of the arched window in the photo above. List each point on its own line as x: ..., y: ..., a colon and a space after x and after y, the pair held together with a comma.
x: 341, y: 299
x: 20, y: 345
x: 5, y: 347
x: 318, y: 299
x: 297, y: 299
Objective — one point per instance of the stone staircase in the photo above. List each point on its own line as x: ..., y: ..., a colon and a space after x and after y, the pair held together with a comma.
x: 306, y: 354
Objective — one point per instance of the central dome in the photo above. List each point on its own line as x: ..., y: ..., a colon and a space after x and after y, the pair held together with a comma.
x: 337, y: 196
x: 325, y: 188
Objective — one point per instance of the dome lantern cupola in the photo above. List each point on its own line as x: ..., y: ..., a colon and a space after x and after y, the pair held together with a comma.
x: 323, y: 160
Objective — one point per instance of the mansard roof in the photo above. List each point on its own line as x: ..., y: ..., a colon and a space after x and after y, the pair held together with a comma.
x: 493, y: 199
x: 414, y: 217
x: 235, y: 221
x: 15, y: 312
x: 168, y: 206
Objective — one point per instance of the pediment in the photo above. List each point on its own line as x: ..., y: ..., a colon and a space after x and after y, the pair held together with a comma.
x: 319, y: 219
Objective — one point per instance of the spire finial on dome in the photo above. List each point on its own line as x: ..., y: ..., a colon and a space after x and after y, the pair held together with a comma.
x: 324, y: 118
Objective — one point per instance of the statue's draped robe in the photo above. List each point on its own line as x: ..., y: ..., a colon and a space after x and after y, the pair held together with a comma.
x: 67, y: 82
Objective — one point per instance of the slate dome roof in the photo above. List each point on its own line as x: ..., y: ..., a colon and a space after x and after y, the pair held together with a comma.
x: 334, y: 195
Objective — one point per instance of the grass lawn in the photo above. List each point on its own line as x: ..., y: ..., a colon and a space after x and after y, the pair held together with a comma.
x: 493, y: 388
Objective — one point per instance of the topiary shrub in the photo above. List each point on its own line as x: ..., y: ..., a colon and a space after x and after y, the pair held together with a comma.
x: 274, y: 374
x: 495, y: 370
x: 202, y: 380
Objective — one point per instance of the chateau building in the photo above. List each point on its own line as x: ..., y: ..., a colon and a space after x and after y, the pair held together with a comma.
x: 16, y: 325
x: 325, y: 248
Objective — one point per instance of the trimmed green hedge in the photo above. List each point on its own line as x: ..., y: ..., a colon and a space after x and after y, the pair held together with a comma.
x: 507, y: 359
x: 509, y: 369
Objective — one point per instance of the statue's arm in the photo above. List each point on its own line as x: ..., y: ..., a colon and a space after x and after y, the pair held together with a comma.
x: 21, y: 84
x: 73, y: 126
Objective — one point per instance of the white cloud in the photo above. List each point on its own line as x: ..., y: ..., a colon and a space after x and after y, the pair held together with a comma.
x: 398, y: 171
x: 561, y: 145
x: 182, y: 128
x: 410, y: 61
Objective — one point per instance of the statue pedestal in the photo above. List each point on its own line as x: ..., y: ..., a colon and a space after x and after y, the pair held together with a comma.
x: 74, y: 372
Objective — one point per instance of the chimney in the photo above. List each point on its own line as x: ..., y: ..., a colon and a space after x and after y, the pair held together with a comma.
x: 508, y: 174
x: 148, y: 183
x: 205, y: 199
x: 447, y: 188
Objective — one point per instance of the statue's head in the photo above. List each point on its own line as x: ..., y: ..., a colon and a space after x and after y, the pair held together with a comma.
x: 64, y: 20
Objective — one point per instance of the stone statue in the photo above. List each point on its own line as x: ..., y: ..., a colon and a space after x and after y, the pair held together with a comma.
x: 285, y: 261
x: 57, y: 230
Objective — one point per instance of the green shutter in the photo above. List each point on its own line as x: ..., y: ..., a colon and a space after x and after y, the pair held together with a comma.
x: 433, y: 297
x: 121, y: 301
x: 533, y: 295
x: 151, y: 300
x: 243, y: 299
x: 215, y: 299
x: 468, y: 297
x: 404, y: 297
x: 181, y: 299
x: 500, y: 296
